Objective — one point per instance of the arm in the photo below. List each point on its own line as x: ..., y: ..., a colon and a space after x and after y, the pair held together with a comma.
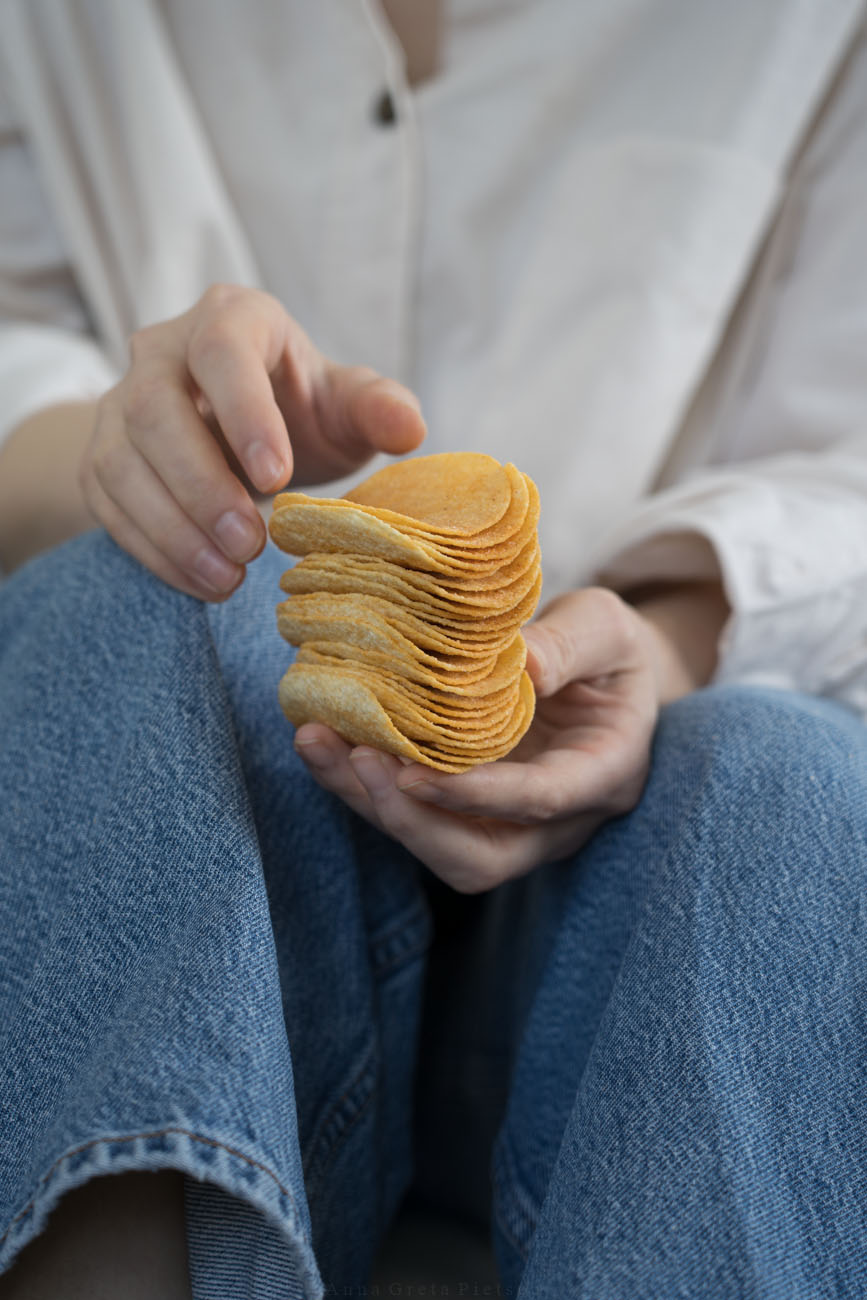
x: 41, y: 501
x: 684, y: 622
x: 225, y: 400
x: 779, y: 489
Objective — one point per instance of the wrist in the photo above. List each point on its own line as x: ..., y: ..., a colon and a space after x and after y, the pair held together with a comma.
x: 683, y: 623
x: 41, y: 502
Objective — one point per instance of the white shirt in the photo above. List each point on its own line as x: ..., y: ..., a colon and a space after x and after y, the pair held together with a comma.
x: 621, y: 243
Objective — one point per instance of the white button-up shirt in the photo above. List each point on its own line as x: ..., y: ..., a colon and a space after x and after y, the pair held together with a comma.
x: 622, y: 243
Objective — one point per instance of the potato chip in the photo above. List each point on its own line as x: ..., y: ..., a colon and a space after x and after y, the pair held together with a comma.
x: 458, y: 492
x: 407, y: 606
x: 346, y: 703
x: 339, y: 573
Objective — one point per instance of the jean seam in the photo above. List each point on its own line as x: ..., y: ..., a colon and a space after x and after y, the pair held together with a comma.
x: 404, y: 957
x: 518, y: 1199
x: 321, y: 1150
x: 135, y: 1137
x: 404, y: 922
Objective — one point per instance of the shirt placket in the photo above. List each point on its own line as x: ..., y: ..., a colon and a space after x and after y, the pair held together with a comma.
x: 369, y: 225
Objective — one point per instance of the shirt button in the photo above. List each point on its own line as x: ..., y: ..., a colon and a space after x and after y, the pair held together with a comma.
x: 384, y: 111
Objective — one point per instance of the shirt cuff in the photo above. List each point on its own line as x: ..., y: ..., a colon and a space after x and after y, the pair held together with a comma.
x: 40, y: 366
x: 793, y: 561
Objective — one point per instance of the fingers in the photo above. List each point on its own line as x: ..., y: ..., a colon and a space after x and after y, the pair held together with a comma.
x: 358, y: 413
x: 582, y: 635
x: 236, y: 338
x: 155, y: 414
x: 327, y: 756
x: 556, y: 785
x: 469, y: 854
x: 159, y: 474
x: 266, y: 382
x: 379, y: 412
x: 127, y: 535
x: 132, y: 487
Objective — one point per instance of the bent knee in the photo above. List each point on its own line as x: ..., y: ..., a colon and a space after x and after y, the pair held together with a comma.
x: 777, y: 763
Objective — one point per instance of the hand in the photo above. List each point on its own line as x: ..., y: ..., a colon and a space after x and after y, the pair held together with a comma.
x: 232, y: 395
x: 594, y: 665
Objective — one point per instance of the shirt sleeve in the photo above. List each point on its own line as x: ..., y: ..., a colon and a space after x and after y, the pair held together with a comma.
x: 777, y: 501
x: 48, y: 352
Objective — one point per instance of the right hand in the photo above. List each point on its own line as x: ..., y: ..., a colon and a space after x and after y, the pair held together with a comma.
x: 227, y: 399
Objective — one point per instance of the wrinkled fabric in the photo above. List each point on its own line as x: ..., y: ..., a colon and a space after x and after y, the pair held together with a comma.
x: 208, y: 964
x: 620, y: 244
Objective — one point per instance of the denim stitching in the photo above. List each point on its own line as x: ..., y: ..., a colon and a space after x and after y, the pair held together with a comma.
x: 135, y: 1137
x: 328, y: 1160
x: 402, y: 957
x: 512, y: 1203
x: 416, y: 913
x: 321, y: 1149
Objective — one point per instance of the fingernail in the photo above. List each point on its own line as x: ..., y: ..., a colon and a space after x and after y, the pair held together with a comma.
x: 263, y: 466
x: 313, y: 751
x: 237, y: 535
x: 215, y: 570
x: 423, y: 790
x: 371, y: 770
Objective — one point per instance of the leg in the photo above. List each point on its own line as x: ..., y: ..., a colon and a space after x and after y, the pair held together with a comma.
x: 688, y: 1113
x: 112, y: 1237
x: 180, y: 900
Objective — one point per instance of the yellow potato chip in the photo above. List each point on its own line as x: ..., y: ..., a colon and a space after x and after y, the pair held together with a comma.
x: 501, y: 589
x: 301, y: 524
x: 477, y: 700
x: 456, y: 492
x: 513, y: 503
x: 342, y: 701
x: 407, y: 608
x: 479, y: 681
x: 460, y: 730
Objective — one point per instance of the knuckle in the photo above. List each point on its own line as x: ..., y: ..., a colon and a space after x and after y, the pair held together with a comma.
x: 615, y: 613
x: 110, y: 463
x: 211, y: 340
x: 145, y: 400
x: 558, y: 649
x: 606, y: 601
x: 543, y: 805
x: 219, y: 295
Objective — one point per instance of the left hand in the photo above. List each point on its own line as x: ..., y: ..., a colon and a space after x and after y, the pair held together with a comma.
x: 584, y: 759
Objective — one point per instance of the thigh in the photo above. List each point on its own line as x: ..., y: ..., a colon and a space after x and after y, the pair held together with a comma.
x: 351, y: 930
x: 687, y: 1108
x: 204, y: 963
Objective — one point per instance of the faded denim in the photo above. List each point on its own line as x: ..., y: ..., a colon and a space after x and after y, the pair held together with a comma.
x: 206, y: 963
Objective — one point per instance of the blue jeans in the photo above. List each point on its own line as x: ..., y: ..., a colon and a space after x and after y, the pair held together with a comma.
x: 653, y: 1055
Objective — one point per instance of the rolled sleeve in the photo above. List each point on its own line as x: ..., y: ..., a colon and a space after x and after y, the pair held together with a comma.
x: 789, y: 541
x: 48, y: 352
x: 775, y: 500
x: 40, y: 366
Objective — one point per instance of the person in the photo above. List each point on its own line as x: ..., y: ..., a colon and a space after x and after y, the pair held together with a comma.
x: 257, y: 981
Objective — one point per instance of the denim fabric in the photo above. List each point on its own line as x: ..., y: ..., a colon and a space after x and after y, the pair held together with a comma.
x: 207, y: 964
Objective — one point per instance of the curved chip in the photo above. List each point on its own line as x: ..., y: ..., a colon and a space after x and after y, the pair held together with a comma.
x: 407, y: 607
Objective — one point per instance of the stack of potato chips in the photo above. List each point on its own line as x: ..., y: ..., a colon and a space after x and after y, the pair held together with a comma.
x: 408, y: 605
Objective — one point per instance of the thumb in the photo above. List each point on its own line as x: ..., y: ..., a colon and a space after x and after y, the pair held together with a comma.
x: 370, y: 413
x: 579, y: 636
x: 549, y: 655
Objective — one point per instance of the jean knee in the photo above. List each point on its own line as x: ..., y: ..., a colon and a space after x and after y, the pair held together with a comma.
x: 774, y: 748
x: 773, y: 787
